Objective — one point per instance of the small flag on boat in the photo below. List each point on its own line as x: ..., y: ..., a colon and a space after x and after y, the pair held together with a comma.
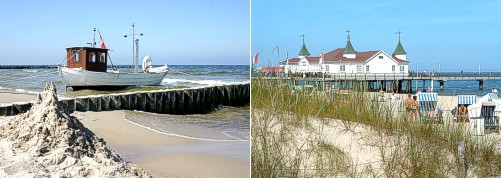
x: 101, y: 40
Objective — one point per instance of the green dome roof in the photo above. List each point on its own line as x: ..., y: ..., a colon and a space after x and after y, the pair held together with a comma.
x: 304, y: 51
x: 349, y: 48
x: 399, y: 50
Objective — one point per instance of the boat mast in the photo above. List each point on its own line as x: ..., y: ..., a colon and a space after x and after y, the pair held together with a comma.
x: 136, y: 56
x: 94, y: 43
x: 134, y: 50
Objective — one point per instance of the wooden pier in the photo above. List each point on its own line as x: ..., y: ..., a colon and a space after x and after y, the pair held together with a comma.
x: 198, y: 100
x: 395, y: 81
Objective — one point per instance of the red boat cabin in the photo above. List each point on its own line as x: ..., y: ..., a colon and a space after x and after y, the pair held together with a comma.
x: 91, y: 59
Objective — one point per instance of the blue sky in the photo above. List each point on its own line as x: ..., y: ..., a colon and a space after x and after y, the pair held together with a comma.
x: 175, y: 31
x: 458, y: 34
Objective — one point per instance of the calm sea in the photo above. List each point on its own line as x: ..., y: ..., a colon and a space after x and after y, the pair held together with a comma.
x: 179, y: 76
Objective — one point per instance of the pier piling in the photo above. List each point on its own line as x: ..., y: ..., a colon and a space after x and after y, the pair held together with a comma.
x: 441, y: 82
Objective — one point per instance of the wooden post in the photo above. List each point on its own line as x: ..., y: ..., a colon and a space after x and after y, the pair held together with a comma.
x: 424, y: 85
x: 461, y: 148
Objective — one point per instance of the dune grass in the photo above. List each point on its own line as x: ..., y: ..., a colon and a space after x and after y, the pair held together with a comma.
x: 408, y: 149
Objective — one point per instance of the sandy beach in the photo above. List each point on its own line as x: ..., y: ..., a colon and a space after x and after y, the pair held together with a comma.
x: 122, y: 143
x: 164, y: 155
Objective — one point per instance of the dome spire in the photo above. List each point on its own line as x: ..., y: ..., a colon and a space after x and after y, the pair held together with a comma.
x: 349, y: 48
x: 304, y: 50
x: 400, y: 49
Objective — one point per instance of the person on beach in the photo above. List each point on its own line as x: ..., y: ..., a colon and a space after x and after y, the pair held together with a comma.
x: 409, y: 107
x: 463, y: 114
x: 415, y: 106
x: 454, y: 111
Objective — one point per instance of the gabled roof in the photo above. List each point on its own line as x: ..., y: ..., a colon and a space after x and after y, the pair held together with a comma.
x: 337, y: 56
x: 349, y: 48
x: 304, y: 51
x: 399, y: 50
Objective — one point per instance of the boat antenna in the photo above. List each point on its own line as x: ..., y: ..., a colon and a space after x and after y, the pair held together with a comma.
x: 94, y: 44
x: 134, y: 55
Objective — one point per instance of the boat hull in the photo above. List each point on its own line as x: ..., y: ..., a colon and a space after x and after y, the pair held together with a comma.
x: 78, y: 78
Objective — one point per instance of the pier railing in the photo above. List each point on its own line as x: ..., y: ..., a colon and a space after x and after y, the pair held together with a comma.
x: 387, y: 76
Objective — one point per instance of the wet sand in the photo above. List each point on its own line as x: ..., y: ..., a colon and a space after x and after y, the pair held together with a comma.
x: 164, y: 154
x: 10, y: 97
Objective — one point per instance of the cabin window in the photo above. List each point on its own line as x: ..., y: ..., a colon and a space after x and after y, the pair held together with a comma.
x: 380, y: 57
x: 76, y: 56
x: 393, y: 68
x: 366, y: 68
x: 102, y: 57
x: 359, y: 68
x: 342, y: 68
x: 93, y: 57
x: 401, y: 68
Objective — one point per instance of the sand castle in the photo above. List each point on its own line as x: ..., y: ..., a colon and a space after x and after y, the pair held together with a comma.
x: 47, y: 141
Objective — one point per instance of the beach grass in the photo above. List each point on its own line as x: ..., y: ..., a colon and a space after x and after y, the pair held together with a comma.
x: 407, y: 148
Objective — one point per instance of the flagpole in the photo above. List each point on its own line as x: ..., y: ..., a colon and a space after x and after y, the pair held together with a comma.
x: 321, y: 66
x: 102, y: 40
x: 287, y: 62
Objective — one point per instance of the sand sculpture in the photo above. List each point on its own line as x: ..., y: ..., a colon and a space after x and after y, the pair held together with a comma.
x: 47, y: 141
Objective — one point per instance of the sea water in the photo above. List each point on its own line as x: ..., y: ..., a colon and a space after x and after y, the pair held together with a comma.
x: 179, y: 76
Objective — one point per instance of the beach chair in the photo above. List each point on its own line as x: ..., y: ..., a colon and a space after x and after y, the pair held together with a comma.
x: 465, y: 100
x: 486, y: 112
x: 427, y: 106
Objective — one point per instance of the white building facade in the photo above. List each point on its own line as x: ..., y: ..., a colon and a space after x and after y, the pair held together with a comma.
x: 347, y: 60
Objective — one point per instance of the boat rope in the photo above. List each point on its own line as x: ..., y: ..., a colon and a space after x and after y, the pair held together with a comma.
x: 66, y: 84
x: 66, y: 59
x: 17, y: 79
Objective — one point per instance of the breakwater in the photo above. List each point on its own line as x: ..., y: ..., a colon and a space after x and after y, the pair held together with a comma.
x: 28, y: 67
x: 198, y: 100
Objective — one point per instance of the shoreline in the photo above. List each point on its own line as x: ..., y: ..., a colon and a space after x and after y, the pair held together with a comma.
x: 168, y: 155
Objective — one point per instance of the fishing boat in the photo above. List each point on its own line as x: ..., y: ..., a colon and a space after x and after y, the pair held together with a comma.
x: 87, y: 67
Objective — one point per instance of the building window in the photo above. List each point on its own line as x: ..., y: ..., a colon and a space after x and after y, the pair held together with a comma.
x: 327, y: 68
x: 342, y: 68
x: 393, y: 68
x: 76, y: 56
x: 359, y: 68
x: 380, y: 57
x: 402, y: 68
x: 366, y: 68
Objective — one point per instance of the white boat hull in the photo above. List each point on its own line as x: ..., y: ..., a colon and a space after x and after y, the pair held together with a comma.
x: 77, y: 77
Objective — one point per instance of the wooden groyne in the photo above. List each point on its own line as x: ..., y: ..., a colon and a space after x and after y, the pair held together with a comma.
x: 28, y: 67
x: 179, y: 101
